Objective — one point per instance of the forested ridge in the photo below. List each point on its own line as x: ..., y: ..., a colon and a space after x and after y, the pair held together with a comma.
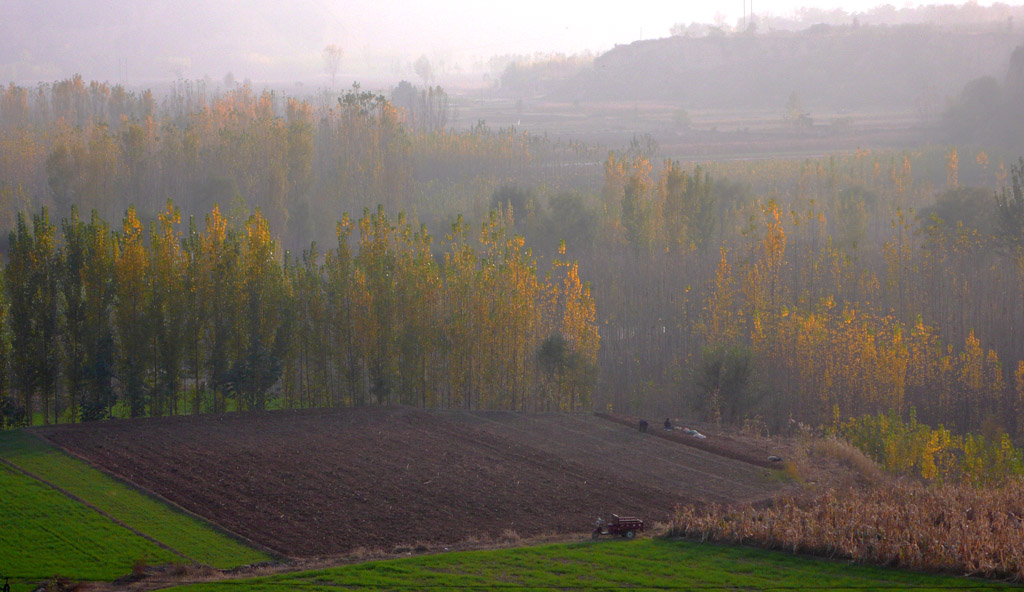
x: 772, y: 290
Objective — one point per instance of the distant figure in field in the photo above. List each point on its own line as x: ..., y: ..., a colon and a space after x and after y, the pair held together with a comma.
x: 668, y: 424
x: 643, y: 426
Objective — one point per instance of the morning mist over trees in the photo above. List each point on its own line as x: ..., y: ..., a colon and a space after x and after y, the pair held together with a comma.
x: 323, y: 282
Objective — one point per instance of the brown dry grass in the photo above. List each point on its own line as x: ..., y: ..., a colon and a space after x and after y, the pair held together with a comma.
x: 847, y: 455
x: 818, y: 463
x: 956, y: 529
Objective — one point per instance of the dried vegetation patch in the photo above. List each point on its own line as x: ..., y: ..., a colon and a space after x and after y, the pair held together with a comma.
x: 950, y: 528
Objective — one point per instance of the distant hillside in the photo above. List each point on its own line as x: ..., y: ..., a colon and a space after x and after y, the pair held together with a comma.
x: 830, y: 68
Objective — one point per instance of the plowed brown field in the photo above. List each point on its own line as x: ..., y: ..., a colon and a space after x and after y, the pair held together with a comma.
x: 323, y: 482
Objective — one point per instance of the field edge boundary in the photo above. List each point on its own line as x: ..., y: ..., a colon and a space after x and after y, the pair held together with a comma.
x: 693, y: 443
x: 92, y: 507
x: 274, y: 554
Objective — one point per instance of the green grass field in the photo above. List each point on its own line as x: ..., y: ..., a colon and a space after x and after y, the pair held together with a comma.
x: 610, y: 564
x: 43, y: 533
x: 189, y: 536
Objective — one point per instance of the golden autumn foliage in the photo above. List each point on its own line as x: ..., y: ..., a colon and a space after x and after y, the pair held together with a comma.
x: 869, y: 281
x: 219, y: 318
x: 301, y: 161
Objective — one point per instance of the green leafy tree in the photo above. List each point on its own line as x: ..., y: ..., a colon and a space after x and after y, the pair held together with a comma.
x: 459, y: 342
x: 35, y: 301
x: 21, y: 295
x: 339, y: 270
x: 98, y: 280
x: 725, y: 383
x: 312, y: 334
x: 262, y: 357
x: 377, y: 261
x: 72, y: 258
x: 196, y: 296
x: 1010, y: 205
x: 638, y: 213
x: 5, y: 346
x: 133, y: 330
x: 167, y: 266
x: 223, y: 275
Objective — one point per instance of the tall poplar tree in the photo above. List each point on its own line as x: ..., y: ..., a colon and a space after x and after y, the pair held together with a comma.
x: 166, y: 311
x: 46, y: 312
x: 98, y: 279
x: 223, y: 272
x: 196, y: 295
x: 72, y: 259
x: 130, y: 310
x: 18, y: 275
x: 261, y: 362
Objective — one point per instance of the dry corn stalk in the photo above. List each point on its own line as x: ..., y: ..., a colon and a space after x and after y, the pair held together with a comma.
x: 952, y: 528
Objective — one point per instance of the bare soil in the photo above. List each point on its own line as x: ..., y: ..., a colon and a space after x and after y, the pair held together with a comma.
x: 702, y: 469
x: 318, y: 483
x: 728, y: 445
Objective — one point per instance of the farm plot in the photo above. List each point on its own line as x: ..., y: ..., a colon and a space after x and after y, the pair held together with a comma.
x: 193, y: 539
x: 313, y: 483
x: 45, y: 534
x: 322, y: 482
x: 629, y: 455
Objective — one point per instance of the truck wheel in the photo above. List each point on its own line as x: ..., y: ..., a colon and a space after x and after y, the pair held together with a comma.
x: 630, y: 534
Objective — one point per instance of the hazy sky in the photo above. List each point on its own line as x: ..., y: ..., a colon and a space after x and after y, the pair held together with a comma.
x: 135, y: 41
x: 526, y: 26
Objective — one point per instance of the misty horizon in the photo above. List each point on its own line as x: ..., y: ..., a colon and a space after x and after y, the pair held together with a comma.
x: 272, y: 43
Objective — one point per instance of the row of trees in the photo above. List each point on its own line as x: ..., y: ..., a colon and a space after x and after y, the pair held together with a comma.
x: 165, y: 320
x: 300, y: 160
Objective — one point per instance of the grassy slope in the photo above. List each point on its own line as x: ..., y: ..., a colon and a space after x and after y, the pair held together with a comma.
x: 43, y: 533
x: 611, y: 564
x: 175, y: 529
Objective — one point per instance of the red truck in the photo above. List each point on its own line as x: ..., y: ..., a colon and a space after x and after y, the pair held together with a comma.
x: 623, y: 526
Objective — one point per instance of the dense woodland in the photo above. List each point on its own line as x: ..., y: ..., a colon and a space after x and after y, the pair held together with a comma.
x: 845, y: 286
x: 303, y: 162
x: 208, y: 320
x: 785, y: 290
